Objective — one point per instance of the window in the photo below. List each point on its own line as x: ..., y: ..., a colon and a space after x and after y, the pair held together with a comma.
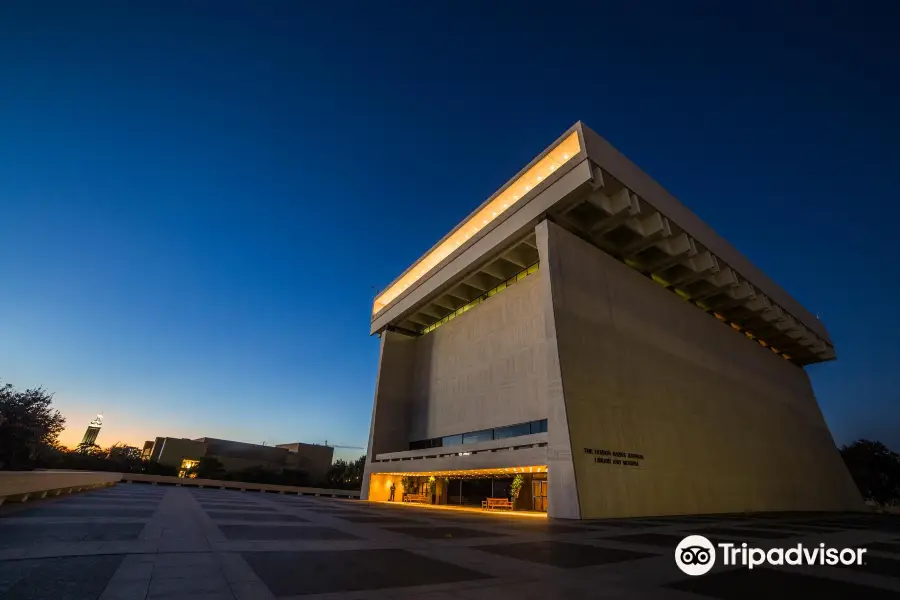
x: 485, y: 435
x: 539, y: 426
x: 453, y: 440
x: 512, y: 431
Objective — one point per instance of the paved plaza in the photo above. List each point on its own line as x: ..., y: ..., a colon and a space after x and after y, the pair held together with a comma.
x: 137, y: 541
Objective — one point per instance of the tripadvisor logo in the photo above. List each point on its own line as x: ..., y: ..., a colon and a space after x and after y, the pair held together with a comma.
x: 696, y: 555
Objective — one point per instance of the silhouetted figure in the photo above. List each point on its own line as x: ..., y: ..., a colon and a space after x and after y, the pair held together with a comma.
x: 393, y: 489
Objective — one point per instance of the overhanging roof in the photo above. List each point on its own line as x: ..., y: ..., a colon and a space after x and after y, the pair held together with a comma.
x: 587, y: 186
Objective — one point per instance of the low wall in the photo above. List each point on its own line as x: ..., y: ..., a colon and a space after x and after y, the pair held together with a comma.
x: 19, y: 486
x: 237, y: 485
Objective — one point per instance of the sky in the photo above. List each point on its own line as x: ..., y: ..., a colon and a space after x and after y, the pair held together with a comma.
x: 199, y: 200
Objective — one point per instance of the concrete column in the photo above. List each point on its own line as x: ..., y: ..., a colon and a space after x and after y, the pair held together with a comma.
x: 562, y: 492
x: 391, y: 409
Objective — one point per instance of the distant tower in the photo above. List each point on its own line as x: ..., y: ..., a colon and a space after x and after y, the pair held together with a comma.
x: 93, y: 430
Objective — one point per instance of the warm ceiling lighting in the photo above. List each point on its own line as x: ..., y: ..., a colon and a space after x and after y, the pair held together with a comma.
x: 554, y: 159
x: 469, y: 472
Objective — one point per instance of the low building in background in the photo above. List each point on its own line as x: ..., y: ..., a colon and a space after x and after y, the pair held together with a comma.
x: 185, y: 454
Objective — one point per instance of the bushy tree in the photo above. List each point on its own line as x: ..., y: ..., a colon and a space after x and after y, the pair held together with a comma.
x: 875, y: 469
x: 209, y: 467
x: 345, y: 475
x: 29, y: 427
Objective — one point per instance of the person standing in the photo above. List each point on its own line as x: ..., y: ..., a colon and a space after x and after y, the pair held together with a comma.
x: 393, y: 489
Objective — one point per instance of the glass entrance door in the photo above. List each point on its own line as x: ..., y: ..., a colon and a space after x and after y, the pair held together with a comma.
x: 539, y: 494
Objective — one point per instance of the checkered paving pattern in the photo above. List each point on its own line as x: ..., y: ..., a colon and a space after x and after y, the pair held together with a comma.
x: 142, y: 542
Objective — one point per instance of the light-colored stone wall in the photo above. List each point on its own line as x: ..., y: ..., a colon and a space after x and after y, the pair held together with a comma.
x: 389, y: 429
x: 21, y: 486
x: 393, y: 394
x: 484, y: 368
x: 723, y: 424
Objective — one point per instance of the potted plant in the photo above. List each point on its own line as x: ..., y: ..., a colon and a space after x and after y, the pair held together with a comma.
x: 409, y: 484
x: 515, y: 488
x: 432, y: 487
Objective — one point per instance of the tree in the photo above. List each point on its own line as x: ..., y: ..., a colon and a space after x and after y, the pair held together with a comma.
x: 124, y: 452
x: 875, y: 469
x: 515, y: 487
x: 92, y: 450
x: 345, y: 475
x: 209, y: 467
x: 124, y: 458
x: 29, y: 427
x: 409, y: 484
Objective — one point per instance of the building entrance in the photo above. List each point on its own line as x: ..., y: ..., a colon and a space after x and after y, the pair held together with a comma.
x: 469, y: 488
x: 539, y: 494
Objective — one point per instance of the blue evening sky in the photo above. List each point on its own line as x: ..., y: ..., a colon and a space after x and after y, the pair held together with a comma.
x: 199, y: 199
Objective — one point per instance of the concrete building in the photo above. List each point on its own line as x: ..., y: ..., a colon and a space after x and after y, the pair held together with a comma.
x: 184, y: 454
x: 584, y: 329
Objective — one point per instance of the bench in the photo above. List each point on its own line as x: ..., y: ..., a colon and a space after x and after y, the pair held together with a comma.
x: 492, y: 503
x: 416, y: 498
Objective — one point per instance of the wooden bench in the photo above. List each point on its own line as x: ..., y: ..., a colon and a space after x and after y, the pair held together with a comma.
x: 492, y: 503
x: 416, y: 498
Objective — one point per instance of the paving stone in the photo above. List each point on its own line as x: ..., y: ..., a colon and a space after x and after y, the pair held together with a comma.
x: 663, y: 540
x: 433, y: 533
x: 64, y: 510
x: 243, y: 515
x: 791, y: 526
x: 126, y: 590
x: 183, y: 571
x: 889, y: 547
x: 296, y: 573
x: 237, y: 507
x: 376, y: 519
x: 173, y: 559
x: 622, y: 524
x: 190, y: 586
x: 878, y: 565
x: 744, y: 584
x: 14, y: 570
x: 738, y: 532
x: 67, y: 578
x: 251, y: 590
x: 16, y: 534
x: 541, y: 526
x: 279, y: 532
x: 563, y: 554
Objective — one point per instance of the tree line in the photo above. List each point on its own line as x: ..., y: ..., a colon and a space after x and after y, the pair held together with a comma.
x: 29, y: 439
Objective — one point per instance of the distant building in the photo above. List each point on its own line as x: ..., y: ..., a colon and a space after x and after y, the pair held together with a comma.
x: 93, y: 430
x: 184, y: 454
x: 147, y: 450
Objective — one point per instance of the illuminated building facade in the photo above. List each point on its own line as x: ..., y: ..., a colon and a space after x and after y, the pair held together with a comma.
x: 584, y: 329
x: 93, y: 430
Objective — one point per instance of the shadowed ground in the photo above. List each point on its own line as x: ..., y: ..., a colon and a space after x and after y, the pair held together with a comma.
x: 135, y: 541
